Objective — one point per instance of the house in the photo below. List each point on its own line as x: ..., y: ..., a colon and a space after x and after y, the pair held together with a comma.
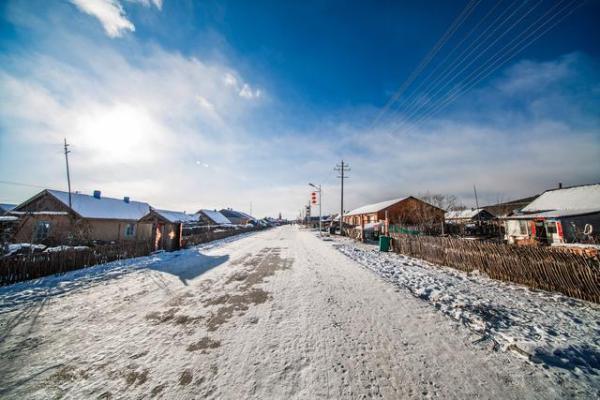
x: 407, y: 212
x: 167, y: 227
x: 212, y: 218
x: 237, y: 217
x: 471, y: 221
x: 563, y: 215
x: 47, y: 218
x: 6, y: 208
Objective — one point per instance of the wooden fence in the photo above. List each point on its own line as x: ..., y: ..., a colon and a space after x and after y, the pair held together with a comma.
x: 575, y: 275
x: 22, y: 267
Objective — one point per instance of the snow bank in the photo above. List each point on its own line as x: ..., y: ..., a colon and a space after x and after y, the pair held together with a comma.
x: 547, y: 328
x: 22, y: 293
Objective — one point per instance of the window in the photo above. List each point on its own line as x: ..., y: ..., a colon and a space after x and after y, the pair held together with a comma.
x: 130, y: 230
x: 523, y: 227
x: 551, y: 228
x: 42, y: 229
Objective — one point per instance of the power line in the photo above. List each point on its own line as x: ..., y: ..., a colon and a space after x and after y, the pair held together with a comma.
x: 427, y: 59
x: 413, y: 98
x: 486, y: 70
x: 463, y: 69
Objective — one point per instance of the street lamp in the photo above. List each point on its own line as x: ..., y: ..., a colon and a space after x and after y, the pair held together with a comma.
x: 318, y: 189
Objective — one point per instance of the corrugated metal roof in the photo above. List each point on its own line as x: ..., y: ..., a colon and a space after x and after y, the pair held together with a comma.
x: 373, y: 208
x: 586, y: 197
x: 102, y: 208
x: 177, y: 216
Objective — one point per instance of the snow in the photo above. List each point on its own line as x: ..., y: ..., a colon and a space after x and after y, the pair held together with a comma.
x: 372, y: 208
x: 8, y: 218
x: 277, y: 314
x: 57, y: 249
x: 555, y: 214
x: 216, y: 217
x: 15, y: 247
x: 463, y: 214
x: 176, y: 216
x: 586, y: 197
x: 560, y: 333
x: 102, y: 208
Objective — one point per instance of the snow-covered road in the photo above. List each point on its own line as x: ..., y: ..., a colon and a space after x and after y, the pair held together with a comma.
x: 273, y: 315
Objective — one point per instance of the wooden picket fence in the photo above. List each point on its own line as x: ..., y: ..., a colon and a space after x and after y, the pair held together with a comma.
x: 22, y: 267
x: 576, y: 275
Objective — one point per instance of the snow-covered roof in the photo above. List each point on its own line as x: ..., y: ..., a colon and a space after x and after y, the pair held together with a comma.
x: 373, y: 208
x: 103, y: 208
x: 469, y: 213
x: 176, y: 216
x: 216, y: 217
x: 227, y: 212
x: 586, y: 197
x: 555, y: 214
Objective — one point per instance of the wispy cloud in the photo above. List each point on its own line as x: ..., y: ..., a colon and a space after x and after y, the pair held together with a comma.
x: 111, y: 14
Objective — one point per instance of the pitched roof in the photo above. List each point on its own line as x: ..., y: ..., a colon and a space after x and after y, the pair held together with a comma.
x: 577, y: 198
x: 176, y: 216
x: 227, y: 212
x: 103, y: 208
x: 375, y: 207
x: 469, y: 213
x: 216, y: 217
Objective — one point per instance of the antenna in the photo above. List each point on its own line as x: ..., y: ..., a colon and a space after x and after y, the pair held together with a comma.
x: 67, y: 151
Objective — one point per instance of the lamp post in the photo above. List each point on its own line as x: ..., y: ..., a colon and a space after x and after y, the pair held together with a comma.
x: 318, y: 188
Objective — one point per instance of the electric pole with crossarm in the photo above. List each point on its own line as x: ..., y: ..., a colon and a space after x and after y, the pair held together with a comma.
x: 342, y: 168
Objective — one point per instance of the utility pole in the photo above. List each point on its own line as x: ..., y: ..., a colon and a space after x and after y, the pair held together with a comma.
x: 342, y: 168
x: 67, y: 151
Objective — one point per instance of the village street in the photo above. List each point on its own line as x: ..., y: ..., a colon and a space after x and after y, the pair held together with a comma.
x: 278, y: 314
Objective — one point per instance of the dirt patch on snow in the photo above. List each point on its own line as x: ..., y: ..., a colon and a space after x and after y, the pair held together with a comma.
x: 204, y: 344
x: 186, y: 377
x: 260, y: 267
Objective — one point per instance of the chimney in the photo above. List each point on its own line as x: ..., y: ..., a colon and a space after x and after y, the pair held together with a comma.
x: 97, y: 194
x: 126, y: 199
x: 560, y: 185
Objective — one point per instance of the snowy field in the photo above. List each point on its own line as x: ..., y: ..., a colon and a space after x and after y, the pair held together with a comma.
x: 277, y: 314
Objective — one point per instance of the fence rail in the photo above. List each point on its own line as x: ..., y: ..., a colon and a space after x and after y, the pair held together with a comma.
x: 576, y: 275
x: 22, y: 267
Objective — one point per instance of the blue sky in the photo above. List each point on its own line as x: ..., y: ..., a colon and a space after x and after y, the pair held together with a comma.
x: 189, y: 104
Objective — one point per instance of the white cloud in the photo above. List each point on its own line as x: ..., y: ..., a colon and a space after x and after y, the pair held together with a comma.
x: 111, y: 14
x: 247, y: 92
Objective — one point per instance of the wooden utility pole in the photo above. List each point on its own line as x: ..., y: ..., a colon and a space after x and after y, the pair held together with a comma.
x: 342, y: 169
x: 67, y: 151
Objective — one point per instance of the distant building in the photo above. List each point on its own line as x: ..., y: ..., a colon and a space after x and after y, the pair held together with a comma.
x: 471, y: 221
x: 569, y: 215
x: 409, y: 212
x: 47, y: 218
x: 213, y: 218
x: 167, y: 227
x: 509, y: 207
x: 237, y: 217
